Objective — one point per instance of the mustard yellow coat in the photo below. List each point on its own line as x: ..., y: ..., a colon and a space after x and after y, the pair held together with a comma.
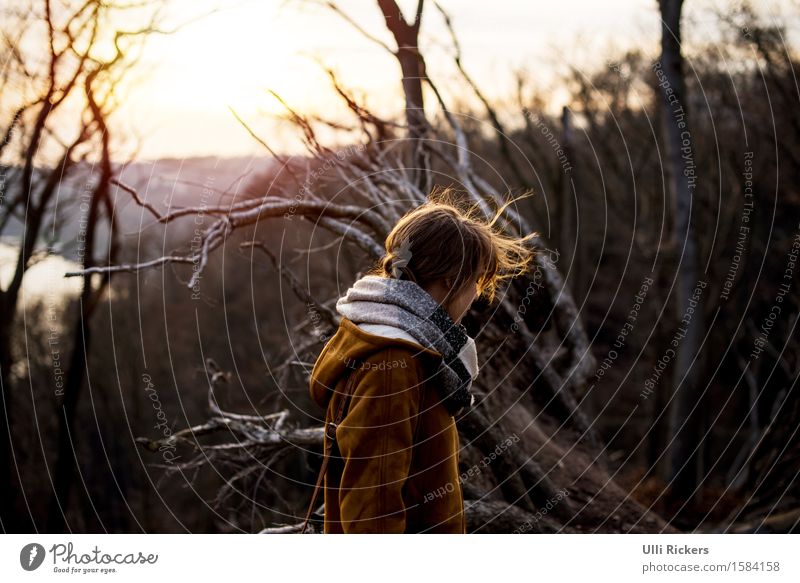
x: 396, y: 466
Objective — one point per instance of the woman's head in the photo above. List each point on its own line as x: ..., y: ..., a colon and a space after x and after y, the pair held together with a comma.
x: 453, y: 252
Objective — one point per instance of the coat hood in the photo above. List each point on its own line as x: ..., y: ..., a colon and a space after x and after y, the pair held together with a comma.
x: 351, y: 344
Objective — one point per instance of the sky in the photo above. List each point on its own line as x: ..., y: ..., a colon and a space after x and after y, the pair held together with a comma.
x: 180, y: 104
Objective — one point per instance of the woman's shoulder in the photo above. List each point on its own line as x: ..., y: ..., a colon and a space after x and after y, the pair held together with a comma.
x: 393, y: 356
x: 388, y: 343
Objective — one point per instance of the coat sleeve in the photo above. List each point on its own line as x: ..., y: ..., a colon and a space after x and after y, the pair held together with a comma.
x: 375, y: 441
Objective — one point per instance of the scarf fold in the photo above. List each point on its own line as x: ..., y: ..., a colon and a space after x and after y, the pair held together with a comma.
x: 405, y: 305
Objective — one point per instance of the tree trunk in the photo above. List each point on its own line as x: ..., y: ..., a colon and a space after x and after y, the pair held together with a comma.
x: 66, y: 460
x: 684, y: 419
x: 412, y: 67
x: 9, y: 484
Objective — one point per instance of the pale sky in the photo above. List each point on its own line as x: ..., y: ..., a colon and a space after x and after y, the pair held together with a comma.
x: 231, y: 58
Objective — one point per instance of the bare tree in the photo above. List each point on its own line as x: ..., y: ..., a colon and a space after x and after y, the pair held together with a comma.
x: 412, y: 68
x: 680, y: 463
x: 32, y: 185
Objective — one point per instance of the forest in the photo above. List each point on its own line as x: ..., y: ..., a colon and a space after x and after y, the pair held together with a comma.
x: 159, y: 318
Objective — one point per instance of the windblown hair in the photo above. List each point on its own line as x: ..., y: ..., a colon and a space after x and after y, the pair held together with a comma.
x: 444, y: 240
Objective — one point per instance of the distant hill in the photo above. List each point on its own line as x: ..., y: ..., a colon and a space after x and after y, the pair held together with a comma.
x: 165, y: 183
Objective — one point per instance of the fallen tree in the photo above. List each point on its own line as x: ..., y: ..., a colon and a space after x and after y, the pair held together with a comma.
x: 535, y: 352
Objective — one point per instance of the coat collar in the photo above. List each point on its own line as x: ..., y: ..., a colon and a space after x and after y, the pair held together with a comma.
x: 351, y: 344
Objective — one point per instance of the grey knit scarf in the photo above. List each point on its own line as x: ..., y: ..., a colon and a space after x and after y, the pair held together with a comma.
x: 404, y: 304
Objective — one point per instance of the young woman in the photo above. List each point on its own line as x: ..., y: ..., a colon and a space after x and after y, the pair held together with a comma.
x: 400, y: 368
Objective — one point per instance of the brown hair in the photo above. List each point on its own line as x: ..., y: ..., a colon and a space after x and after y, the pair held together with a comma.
x: 443, y: 240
